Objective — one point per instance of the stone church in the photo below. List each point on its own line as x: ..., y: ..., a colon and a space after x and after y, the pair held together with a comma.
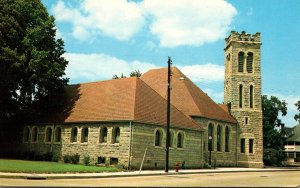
x: 123, y: 121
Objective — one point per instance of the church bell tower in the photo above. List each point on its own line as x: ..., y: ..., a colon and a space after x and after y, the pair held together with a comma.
x: 242, y: 93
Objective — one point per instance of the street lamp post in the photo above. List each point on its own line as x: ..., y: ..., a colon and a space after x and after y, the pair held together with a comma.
x: 210, y: 148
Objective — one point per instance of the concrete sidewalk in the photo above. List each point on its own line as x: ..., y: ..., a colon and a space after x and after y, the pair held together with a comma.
x: 138, y: 173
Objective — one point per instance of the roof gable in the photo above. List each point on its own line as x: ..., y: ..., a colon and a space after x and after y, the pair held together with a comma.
x: 185, y: 95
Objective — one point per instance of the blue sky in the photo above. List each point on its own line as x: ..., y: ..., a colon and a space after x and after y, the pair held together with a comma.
x: 107, y: 37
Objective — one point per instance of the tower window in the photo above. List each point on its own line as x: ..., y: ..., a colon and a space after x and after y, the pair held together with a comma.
x: 249, y: 62
x: 251, y: 96
x: 241, y: 96
x: 246, y: 120
x: 241, y: 62
x: 251, y: 143
x: 243, y: 145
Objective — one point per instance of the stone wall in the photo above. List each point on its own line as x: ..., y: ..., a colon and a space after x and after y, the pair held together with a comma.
x: 134, y: 139
x: 221, y: 158
x: 144, y: 138
x: 92, y: 148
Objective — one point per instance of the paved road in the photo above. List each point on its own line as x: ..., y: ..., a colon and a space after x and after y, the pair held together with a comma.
x: 241, y: 179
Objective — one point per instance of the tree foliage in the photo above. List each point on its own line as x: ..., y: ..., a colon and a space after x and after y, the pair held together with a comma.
x: 31, y: 63
x: 297, y: 116
x: 272, y: 125
x: 136, y: 73
x: 273, y: 129
x: 118, y: 77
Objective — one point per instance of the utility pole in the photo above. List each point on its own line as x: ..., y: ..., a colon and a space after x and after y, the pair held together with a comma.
x: 168, y: 115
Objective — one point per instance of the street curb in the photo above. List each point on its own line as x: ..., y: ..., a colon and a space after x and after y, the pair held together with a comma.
x: 103, y: 175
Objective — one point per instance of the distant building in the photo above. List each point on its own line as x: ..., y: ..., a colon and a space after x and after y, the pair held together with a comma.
x: 122, y: 121
x: 292, y: 144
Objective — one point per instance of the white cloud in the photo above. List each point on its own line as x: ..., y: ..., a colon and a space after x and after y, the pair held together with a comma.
x: 115, y: 18
x: 189, y: 22
x: 204, y: 73
x: 93, y: 67
x: 291, y: 108
x: 181, y: 22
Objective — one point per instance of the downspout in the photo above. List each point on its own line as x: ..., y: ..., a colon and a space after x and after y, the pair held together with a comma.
x: 236, y: 148
x: 130, y: 146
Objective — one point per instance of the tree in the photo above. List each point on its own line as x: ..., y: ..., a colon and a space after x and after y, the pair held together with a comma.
x: 136, y: 73
x: 297, y: 116
x: 117, y: 77
x: 31, y: 63
x: 273, y: 128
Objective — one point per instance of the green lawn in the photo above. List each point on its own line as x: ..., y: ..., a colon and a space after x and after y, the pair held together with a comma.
x: 7, y: 165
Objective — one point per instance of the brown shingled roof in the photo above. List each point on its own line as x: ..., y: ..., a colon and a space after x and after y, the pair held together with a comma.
x: 128, y: 99
x: 185, y: 95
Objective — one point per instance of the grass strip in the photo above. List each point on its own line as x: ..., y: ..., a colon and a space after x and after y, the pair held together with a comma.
x: 22, y: 166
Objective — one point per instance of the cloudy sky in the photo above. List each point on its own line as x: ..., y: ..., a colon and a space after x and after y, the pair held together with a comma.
x: 108, y: 37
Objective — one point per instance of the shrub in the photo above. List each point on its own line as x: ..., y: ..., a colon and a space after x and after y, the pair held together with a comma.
x: 48, y: 156
x: 67, y: 158
x: 86, y: 160
x: 75, y: 158
x: 71, y: 158
x: 273, y: 157
x: 55, y: 157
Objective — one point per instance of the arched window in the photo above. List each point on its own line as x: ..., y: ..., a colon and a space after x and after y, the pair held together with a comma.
x: 210, y: 137
x: 49, y: 134
x: 241, y: 62
x: 180, y: 140
x: 219, y: 138
x: 251, y: 96
x: 74, y: 133
x: 57, y: 134
x: 249, y: 62
x: 34, y: 134
x: 26, y: 134
x: 84, y: 135
x: 116, y: 135
x: 227, y: 137
x: 158, y: 138
x: 240, y: 95
x: 103, y: 135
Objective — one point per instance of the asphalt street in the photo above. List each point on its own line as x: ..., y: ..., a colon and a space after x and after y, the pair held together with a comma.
x: 237, y: 179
